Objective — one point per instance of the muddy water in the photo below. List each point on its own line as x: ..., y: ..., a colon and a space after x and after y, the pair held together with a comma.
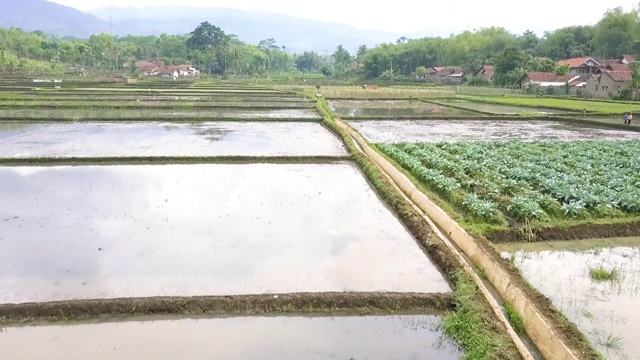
x: 606, y: 312
x: 389, y: 337
x: 80, y: 114
x: 389, y: 131
x: 181, y: 230
x: 20, y: 140
x: 393, y: 108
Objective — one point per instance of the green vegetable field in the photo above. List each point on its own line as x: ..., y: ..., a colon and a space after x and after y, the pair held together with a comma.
x: 536, y: 181
x: 566, y: 104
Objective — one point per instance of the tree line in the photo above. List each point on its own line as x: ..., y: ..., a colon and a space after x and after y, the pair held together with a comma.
x: 213, y: 51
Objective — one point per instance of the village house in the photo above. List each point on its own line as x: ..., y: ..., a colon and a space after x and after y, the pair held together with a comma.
x: 444, y: 74
x: 159, y: 68
x: 434, y: 70
x: 578, y: 84
x: 544, y: 80
x: 627, y: 59
x: 486, y: 73
x: 607, y: 84
x: 578, y: 66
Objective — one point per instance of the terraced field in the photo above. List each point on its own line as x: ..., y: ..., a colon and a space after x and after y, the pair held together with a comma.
x: 195, y: 211
x: 538, y: 191
x: 204, y: 217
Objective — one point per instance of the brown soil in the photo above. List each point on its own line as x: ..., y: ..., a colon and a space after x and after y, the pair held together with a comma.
x: 367, y: 303
x: 161, y: 160
x: 576, y: 232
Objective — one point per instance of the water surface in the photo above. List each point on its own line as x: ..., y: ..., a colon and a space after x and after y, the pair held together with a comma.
x: 24, y: 140
x: 388, y: 337
x: 606, y: 312
x: 182, y: 230
x: 391, y: 108
x: 389, y: 131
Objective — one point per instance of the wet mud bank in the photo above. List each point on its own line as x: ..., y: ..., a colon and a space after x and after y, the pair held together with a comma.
x: 167, y: 160
x: 330, y: 302
x: 576, y: 232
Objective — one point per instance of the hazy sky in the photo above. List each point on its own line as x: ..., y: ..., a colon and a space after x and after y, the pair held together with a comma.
x: 415, y: 15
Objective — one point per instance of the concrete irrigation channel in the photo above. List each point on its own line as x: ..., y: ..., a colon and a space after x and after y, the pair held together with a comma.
x: 246, y: 225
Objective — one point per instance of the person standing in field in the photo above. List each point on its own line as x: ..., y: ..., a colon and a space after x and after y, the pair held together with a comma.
x: 625, y: 118
x: 629, y: 118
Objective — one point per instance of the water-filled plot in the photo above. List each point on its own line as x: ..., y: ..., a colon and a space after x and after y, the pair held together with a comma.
x: 502, y: 109
x: 130, y: 139
x: 596, y: 289
x: 390, y: 131
x: 392, y: 108
x: 159, y: 114
x: 295, y: 337
x: 180, y: 230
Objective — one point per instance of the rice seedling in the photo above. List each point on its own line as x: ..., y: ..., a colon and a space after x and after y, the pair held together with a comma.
x: 602, y: 274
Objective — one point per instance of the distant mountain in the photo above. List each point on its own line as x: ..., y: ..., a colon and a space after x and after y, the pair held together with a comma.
x: 30, y: 15
x: 296, y: 34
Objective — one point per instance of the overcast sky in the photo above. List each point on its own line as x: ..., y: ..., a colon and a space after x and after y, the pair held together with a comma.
x: 407, y: 16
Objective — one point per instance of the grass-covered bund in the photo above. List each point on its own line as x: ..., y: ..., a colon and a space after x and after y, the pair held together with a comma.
x: 600, y: 107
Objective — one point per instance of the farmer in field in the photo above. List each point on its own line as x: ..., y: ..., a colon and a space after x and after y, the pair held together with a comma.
x: 629, y: 118
x: 626, y: 118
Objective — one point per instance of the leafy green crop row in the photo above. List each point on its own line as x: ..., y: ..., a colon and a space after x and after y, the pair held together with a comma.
x: 566, y: 104
x: 529, y: 180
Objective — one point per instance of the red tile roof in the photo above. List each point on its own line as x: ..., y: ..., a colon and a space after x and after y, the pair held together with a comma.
x: 488, y: 69
x: 629, y: 58
x: 619, y: 67
x: 607, y: 62
x: 548, y: 77
x: 619, y: 76
x: 444, y: 72
x: 579, y: 79
x: 575, y: 62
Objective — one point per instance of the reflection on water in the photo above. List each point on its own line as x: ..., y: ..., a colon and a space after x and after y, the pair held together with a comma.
x: 391, y: 108
x: 167, y: 139
x: 601, y: 310
x: 180, y: 230
x: 468, y: 130
x: 79, y: 114
x: 389, y: 337
x: 502, y: 109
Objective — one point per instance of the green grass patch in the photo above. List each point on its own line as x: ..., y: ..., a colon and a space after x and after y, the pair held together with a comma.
x: 514, y: 318
x: 563, y: 104
x: 468, y: 325
x: 602, y: 274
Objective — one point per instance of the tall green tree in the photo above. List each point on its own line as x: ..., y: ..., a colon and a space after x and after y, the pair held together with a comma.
x: 510, y: 66
x: 208, y: 39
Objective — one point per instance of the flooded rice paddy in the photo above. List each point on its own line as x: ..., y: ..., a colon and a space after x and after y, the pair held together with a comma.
x: 606, y: 311
x: 80, y: 114
x: 295, y: 337
x: 502, y: 109
x: 391, y: 108
x: 68, y: 139
x: 180, y: 230
x: 390, y: 131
